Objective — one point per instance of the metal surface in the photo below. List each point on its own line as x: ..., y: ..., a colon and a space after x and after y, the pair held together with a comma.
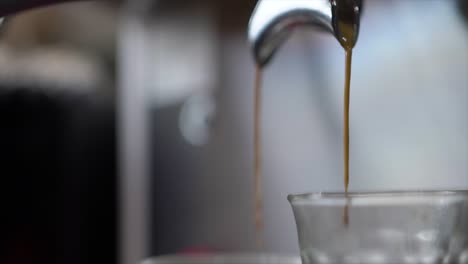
x: 273, y: 21
x: 225, y: 259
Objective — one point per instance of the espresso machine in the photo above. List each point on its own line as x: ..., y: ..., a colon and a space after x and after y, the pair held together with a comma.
x: 408, y: 116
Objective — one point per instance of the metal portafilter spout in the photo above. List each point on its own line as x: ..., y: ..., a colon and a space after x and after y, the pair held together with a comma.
x: 273, y: 21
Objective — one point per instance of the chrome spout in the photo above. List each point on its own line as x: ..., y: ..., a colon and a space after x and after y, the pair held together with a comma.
x: 273, y: 21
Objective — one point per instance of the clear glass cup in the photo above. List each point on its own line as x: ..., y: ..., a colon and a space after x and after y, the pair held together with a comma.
x: 225, y: 259
x: 391, y: 227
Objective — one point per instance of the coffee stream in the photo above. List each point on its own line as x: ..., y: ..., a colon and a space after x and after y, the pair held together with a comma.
x: 258, y: 204
x: 347, y: 36
x: 346, y: 26
x: 258, y: 157
x: 349, y: 56
x: 347, y: 33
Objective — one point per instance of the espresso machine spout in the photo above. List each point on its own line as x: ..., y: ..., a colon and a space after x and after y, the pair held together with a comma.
x: 273, y: 21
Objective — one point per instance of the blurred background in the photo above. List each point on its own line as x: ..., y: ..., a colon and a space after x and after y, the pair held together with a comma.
x: 126, y: 128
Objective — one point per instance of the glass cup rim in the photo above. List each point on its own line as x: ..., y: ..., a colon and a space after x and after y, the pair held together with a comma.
x: 237, y: 258
x: 320, y: 196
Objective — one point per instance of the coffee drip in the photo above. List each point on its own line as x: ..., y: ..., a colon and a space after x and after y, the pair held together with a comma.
x: 271, y: 24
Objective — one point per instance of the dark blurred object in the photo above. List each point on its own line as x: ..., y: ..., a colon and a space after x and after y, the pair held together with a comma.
x: 233, y: 16
x: 58, y: 189
x: 8, y: 7
x: 463, y: 5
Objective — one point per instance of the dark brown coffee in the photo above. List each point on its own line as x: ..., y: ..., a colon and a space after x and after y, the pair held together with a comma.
x: 258, y: 156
